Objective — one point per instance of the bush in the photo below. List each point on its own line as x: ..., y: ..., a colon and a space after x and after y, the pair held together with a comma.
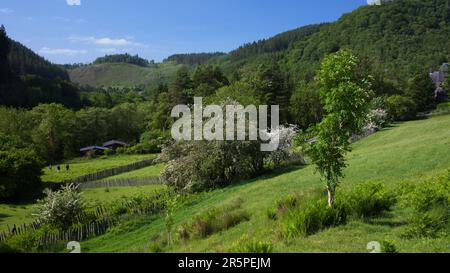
x: 152, y: 142
x: 368, y: 200
x: 22, y: 243
x: 289, y: 203
x: 430, y: 203
x: 20, y: 170
x: 246, y: 245
x: 214, y: 220
x: 156, y: 247
x: 284, y: 154
x: 61, y: 208
x: 152, y: 204
x: 110, y: 152
x: 272, y: 214
x: 388, y: 246
x: 311, y: 217
x: 401, y: 108
x: 197, y: 166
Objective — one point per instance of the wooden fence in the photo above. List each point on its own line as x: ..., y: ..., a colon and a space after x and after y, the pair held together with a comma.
x: 97, y: 227
x: 111, y: 172
x: 17, y: 230
x: 76, y: 234
x: 122, y: 182
x: 94, y: 228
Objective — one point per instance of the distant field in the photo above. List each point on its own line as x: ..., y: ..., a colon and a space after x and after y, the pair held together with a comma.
x: 151, y: 171
x: 83, y: 166
x: 123, y: 74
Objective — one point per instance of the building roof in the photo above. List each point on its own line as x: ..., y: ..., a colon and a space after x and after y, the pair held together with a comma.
x: 92, y: 148
x: 114, y: 142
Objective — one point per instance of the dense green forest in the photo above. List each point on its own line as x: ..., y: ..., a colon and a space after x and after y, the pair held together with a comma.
x: 24, y: 61
x: 193, y: 58
x: 28, y: 79
x: 123, y: 58
x: 277, y: 43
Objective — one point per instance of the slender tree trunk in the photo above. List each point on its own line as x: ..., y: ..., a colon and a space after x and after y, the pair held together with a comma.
x: 330, y: 196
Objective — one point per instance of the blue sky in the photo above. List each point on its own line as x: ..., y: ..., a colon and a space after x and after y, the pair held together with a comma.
x: 67, y: 31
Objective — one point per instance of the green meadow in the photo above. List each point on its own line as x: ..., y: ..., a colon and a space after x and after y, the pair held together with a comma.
x: 83, y: 166
x: 411, y: 151
x: 151, y: 171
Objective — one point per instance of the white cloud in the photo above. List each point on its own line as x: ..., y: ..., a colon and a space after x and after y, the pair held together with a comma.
x: 105, y: 41
x: 73, y: 2
x: 6, y: 11
x: 107, y: 50
x: 62, y: 51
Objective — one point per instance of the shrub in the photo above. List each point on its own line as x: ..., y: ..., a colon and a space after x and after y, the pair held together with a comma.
x: 312, y: 217
x: 197, y: 166
x: 214, y: 220
x: 110, y: 152
x: 368, y: 200
x: 20, y: 169
x: 430, y: 203
x: 156, y: 247
x: 152, y: 204
x: 272, y: 214
x: 61, y: 208
x: 91, y: 154
x: 375, y: 121
x: 121, y: 150
x: 246, y: 245
x: 290, y: 202
x: 401, y: 108
x: 388, y: 246
x: 25, y: 243
x: 158, y: 243
x: 283, y: 155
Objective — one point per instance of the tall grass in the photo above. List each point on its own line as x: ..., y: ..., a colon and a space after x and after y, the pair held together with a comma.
x: 214, y: 220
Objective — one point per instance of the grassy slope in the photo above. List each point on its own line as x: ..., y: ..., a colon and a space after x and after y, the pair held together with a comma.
x: 152, y: 171
x: 83, y: 166
x: 409, y: 151
x: 22, y: 214
x: 106, y: 195
x: 123, y: 75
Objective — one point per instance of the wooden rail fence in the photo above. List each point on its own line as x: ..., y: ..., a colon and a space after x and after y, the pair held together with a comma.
x: 121, y: 182
x: 111, y: 172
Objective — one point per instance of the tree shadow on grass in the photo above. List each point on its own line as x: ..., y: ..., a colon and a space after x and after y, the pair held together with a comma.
x: 387, y: 219
x: 3, y: 215
x: 269, y: 174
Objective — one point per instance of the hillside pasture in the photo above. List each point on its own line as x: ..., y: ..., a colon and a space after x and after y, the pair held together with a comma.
x: 411, y: 151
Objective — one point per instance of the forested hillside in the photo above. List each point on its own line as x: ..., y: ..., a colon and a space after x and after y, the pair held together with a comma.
x: 122, y: 58
x: 28, y: 79
x: 398, y: 39
x: 24, y: 61
x: 192, y: 59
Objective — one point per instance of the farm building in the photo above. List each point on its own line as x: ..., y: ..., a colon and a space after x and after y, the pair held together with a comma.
x: 114, y: 144
x: 97, y: 149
